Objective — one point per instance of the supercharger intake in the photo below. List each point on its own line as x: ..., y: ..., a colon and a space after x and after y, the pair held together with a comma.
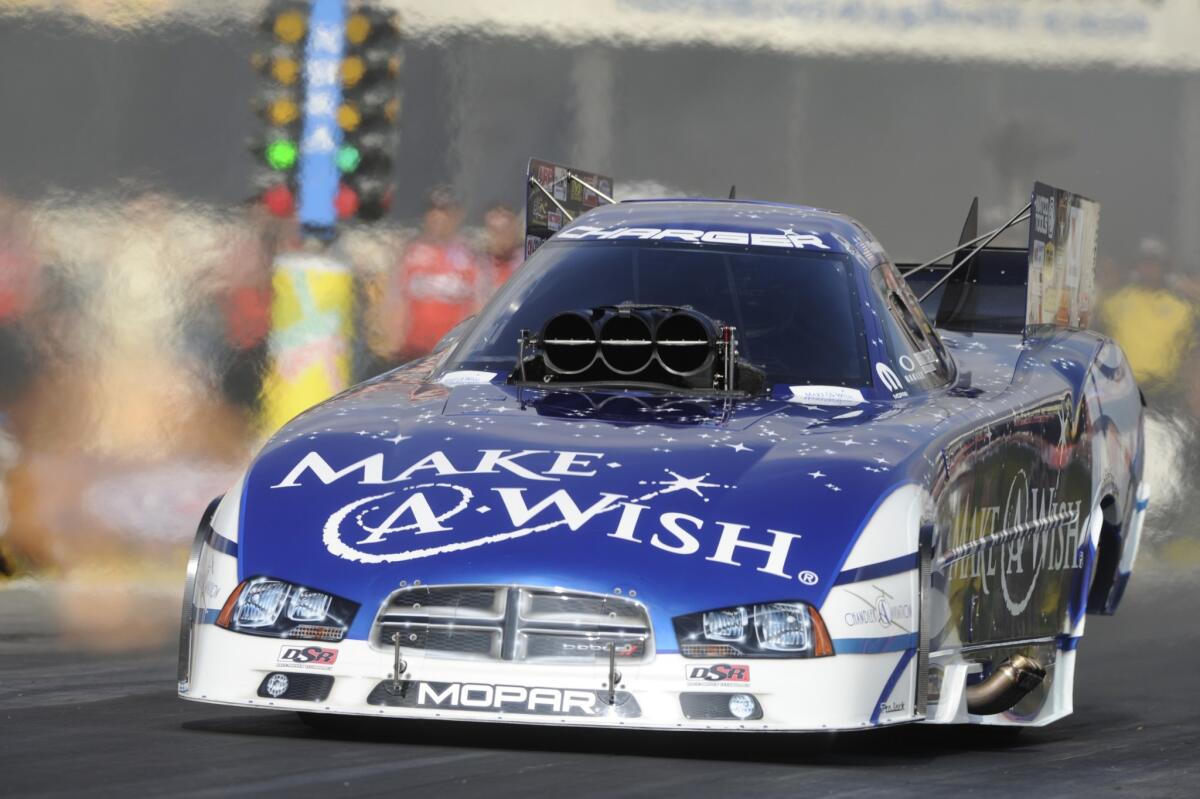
x: 636, y: 346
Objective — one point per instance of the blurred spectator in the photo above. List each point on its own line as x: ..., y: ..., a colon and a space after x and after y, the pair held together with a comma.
x: 1153, y: 322
x: 8, y: 459
x: 438, y: 282
x: 245, y: 301
x: 503, y: 248
x: 19, y: 272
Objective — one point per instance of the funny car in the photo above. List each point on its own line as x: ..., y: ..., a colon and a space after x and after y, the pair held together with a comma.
x: 699, y: 465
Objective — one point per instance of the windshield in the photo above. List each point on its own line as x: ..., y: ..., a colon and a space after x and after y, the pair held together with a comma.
x: 796, y: 312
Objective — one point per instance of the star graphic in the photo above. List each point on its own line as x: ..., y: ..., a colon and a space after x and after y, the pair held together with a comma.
x: 847, y: 441
x: 681, y: 483
x: 817, y: 475
x: 396, y: 439
x: 739, y: 447
x: 832, y: 487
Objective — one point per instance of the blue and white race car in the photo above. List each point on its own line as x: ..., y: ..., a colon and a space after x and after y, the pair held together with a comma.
x: 700, y: 465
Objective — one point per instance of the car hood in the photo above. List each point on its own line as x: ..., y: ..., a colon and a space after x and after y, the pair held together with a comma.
x: 686, y: 504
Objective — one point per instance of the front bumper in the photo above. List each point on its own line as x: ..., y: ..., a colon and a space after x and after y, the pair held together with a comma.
x: 850, y: 691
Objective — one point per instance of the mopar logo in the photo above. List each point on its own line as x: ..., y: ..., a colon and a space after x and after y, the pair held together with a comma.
x: 516, y: 699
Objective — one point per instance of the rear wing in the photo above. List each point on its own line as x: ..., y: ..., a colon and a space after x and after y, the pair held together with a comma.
x: 555, y: 195
x: 983, y: 288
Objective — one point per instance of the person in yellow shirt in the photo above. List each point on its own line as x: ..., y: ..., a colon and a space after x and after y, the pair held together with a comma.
x: 1153, y: 323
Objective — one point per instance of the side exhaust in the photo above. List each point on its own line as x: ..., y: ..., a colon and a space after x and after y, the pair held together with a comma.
x: 1005, y: 686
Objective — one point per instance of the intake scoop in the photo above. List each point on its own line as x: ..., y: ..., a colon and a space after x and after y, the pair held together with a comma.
x: 638, y: 345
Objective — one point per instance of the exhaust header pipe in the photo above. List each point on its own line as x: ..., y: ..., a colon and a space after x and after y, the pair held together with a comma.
x: 1011, y: 682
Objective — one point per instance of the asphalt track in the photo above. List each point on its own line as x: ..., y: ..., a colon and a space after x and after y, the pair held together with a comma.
x: 111, y: 725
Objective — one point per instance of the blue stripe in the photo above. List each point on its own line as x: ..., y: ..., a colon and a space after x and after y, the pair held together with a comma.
x: 1142, y: 504
x: 890, y: 685
x: 874, y: 571
x: 1068, y: 643
x: 208, y: 616
x: 222, y: 544
x: 874, y: 646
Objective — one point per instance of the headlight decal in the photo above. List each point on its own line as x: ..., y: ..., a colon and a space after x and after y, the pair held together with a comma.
x: 279, y: 609
x: 759, y: 630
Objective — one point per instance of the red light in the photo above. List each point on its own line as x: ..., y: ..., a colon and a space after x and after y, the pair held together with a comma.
x: 279, y: 201
x: 346, y: 202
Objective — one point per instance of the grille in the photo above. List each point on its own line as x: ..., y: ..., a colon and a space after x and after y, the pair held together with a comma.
x: 706, y: 706
x: 514, y: 623
x: 308, y: 687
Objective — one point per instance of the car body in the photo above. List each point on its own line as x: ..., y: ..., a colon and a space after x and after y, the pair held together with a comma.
x: 900, y: 516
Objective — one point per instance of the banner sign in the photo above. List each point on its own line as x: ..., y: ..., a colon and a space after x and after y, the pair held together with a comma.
x: 321, y: 135
x: 1146, y: 34
x: 557, y: 191
x: 1062, y: 258
x: 312, y: 322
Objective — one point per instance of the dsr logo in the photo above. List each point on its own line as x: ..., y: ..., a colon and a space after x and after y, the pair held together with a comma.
x: 720, y: 672
x: 312, y: 655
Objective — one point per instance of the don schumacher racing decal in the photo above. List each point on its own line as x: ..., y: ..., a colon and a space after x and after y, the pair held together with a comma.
x: 505, y: 699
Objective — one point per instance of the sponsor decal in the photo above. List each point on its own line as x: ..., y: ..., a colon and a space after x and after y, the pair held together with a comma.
x: 413, y: 520
x: 883, y: 612
x: 626, y: 650
x: 467, y: 377
x: 718, y: 673
x: 560, y: 183
x: 538, y: 206
x: 890, y: 380
x: 891, y: 707
x: 919, y: 365
x: 827, y: 395
x: 1013, y: 565
x: 308, y: 656
x: 554, y: 220
x: 783, y: 239
x: 517, y: 699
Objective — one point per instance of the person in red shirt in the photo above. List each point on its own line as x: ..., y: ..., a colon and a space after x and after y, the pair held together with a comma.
x: 503, y: 252
x: 438, y: 283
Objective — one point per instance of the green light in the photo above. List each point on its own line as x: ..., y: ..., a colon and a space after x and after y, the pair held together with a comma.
x: 281, y: 154
x: 348, y: 158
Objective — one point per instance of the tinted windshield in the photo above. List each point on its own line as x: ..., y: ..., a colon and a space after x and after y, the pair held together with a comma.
x: 796, y: 312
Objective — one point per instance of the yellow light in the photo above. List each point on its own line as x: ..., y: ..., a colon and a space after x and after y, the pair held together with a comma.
x: 290, y: 26
x: 358, y: 28
x: 285, y: 70
x: 283, y: 111
x: 353, y: 70
x: 348, y: 117
x: 391, y: 109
